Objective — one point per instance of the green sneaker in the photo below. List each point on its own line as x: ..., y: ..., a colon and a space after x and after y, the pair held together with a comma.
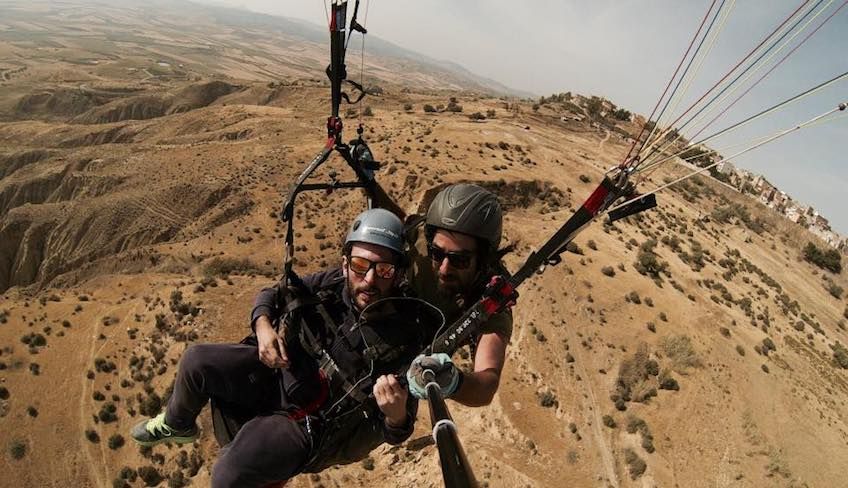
x: 155, y: 431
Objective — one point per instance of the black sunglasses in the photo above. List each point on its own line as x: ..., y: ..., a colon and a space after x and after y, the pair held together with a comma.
x: 362, y: 266
x: 458, y: 260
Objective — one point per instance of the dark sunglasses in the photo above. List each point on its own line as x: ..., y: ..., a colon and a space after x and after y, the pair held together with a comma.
x: 458, y: 260
x: 362, y: 266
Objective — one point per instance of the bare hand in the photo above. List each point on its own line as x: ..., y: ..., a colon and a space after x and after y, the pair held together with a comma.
x: 391, y: 399
x: 272, y: 347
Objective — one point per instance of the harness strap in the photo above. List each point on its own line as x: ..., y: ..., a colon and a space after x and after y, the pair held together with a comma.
x: 315, y: 404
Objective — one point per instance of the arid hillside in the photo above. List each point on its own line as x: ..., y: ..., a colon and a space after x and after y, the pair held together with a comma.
x: 690, y: 346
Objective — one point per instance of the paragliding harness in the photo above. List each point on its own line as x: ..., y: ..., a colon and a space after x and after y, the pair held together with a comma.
x: 335, y: 357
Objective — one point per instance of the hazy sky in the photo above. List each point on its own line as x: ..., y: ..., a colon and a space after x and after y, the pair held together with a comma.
x: 626, y: 50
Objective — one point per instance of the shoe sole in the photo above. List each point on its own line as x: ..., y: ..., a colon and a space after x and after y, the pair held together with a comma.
x: 175, y: 440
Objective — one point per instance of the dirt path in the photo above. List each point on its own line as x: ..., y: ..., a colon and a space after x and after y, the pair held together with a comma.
x: 604, y: 450
x: 97, y: 463
x: 605, y: 139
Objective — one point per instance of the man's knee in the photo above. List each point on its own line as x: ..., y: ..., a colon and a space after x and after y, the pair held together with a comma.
x: 266, y: 449
x: 197, y: 357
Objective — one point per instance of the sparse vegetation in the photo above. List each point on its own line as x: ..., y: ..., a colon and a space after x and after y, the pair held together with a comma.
x: 678, y: 349
x: 221, y: 267
x: 828, y: 259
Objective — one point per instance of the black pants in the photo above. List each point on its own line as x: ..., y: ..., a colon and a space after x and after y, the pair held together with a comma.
x: 269, y: 447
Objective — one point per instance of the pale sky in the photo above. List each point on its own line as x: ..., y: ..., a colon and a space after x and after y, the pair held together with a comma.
x: 626, y: 50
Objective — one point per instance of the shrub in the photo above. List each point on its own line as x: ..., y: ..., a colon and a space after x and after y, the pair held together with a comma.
x: 477, y: 116
x: 547, y: 399
x: 177, y: 479
x: 635, y: 464
x: 18, y: 449
x: 92, y: 435
x: 407, y: 107
x: 116, y: 441
x: 608, y: 271
x: 840, y: 355
x: 740, y: 350
x: 678, y: 348
x: 150, y: 475
x: 724, y: 331
x: 4, y: 393
x: 829, y: 259
x: 669, y: 383
x: 454, y: 107
x: 633, y: 382
x: 648, y: 262
x: 368, y: 112
x: 609, y: 421
x: 107, y: 413
x: 834, y: 289
x: 224, y: 266
x: 429, y: 108
x: 769, y: 344
x: 585, y: 179
x: 368, y: 464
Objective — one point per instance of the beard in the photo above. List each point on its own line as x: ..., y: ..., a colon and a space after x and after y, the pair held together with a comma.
x: 450, y: 286
x: 363, y: 294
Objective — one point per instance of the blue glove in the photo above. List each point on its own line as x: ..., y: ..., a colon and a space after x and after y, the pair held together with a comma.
x: 447, y: 375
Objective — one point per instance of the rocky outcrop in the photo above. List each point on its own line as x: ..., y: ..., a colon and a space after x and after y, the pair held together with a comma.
x: 39, y: 242
x: 9, y: 163
x: 135, y: 108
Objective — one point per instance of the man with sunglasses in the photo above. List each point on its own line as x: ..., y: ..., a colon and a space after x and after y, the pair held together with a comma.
x: 314, y: 386
x: 451, y: 266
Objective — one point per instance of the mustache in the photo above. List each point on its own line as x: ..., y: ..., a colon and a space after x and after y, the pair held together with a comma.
x: 365, y: 288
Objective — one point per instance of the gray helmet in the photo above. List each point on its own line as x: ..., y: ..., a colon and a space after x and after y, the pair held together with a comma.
x: 377, y: 226
x: 468, y: 209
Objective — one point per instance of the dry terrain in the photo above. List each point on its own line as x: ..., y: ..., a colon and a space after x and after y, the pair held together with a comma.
x: 143, y: 163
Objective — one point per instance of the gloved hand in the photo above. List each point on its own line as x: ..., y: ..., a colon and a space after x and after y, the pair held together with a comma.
x: 447, y: 375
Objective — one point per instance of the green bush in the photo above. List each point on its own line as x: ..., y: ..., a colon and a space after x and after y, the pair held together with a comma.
x: 829, y: 259
x: 840, y: 355
x: 224, y: 266
x: 648, y: 262
x: 18, y: 449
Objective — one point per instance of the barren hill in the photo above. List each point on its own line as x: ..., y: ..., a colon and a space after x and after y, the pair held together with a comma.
x: 691, y: 346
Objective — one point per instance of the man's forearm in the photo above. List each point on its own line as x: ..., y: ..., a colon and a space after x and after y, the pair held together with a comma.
x: 478, y: 388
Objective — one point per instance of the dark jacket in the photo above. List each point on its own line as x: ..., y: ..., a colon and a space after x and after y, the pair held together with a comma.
x: 352, y: 429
